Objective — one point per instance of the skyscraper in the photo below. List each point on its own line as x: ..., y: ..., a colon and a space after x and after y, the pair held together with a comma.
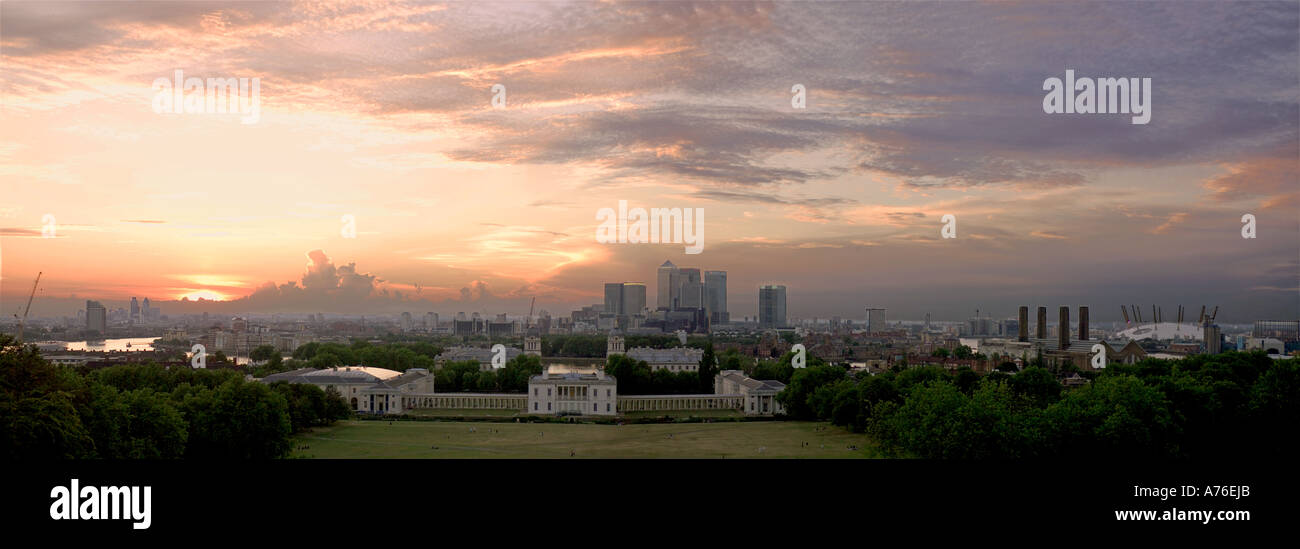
x: 135, y: 311
x: 715, y: 295
x: 690, y: 289
x: 666, y: 290
x: 96, y: 318
x: 876, y: 320
x: 614, y: 297
x: 771, y: 306
x: 633, y: 298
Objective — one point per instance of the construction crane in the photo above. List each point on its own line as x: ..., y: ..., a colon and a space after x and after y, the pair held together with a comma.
x: 22, y: 323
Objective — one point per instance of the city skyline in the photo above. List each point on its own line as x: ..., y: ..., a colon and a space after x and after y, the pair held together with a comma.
x: 459, y: 205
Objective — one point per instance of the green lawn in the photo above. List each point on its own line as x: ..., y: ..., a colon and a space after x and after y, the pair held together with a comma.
x: 461, y: 412
x: 417, y: 439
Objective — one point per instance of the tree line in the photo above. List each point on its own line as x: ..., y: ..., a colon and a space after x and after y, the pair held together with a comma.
x: 149, y: 412
x: 1202, y: 407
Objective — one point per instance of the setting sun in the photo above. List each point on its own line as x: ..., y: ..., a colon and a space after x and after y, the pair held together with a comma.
x: 203, y: 294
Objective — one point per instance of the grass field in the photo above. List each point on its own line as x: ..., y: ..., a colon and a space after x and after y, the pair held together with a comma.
x: 451, y: 439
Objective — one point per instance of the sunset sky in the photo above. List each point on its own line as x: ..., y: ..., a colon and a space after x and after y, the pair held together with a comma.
x: 914, y: 110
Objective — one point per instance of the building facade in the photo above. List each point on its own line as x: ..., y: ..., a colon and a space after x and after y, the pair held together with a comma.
x: 572, y: 390
x: 771, y: 306
x: 366, y: 390
x: 758, y: 397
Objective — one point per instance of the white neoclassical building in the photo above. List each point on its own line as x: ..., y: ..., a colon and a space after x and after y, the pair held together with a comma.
x: 368, y: 390
x: 757, y: 397
x: 572, y: 390
x: 675, y: 359
x: 482, y: 355
x: 563, y: 390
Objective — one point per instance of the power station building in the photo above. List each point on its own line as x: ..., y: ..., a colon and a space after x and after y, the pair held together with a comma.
x: 1056, y: 351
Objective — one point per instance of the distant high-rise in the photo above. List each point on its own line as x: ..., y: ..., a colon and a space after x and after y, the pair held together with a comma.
x: 614, y: 297
x: 1063, y: 329
x: 406, y: 322
x: 96, y: 318
x: 623, y: 300
x: 430, y: 322
x: 135, y: 311
x: 666, y: 290
x: 1213, y: 337
x: 692, y: 296
x: 633, y: 298
x: 690, y: 289
x: 715, y: 295
x: 771, y: 306
x: 876, y: 320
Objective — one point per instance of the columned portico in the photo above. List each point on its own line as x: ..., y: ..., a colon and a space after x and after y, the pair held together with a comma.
x: 664, y: 403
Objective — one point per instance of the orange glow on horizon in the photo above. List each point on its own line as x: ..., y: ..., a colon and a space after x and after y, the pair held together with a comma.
x: 203, y: 294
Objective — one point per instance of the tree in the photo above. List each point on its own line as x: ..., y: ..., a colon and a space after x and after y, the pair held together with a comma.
x: 514, y: 377
x: 1111, y: 417
x: 633, y: 377
x: 240, y: 420
x: 708, y: 368
x: 263, y: 353
x: 803, y: 384
x: 966, y: 379
x: 1038, y: 385
x: 137, y: 424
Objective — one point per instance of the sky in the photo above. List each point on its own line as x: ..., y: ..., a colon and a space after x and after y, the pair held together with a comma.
x: 915, y: 110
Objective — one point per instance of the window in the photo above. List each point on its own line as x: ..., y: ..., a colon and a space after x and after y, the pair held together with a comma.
x: 534, y: 405
x: 548, y: 391
x: 593, y: 406
x: 548, y: 406
x: 534, y: 391
x: 606, y: 406
x: 606, y: 393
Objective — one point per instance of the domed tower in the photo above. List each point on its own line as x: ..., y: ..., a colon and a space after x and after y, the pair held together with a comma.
x: 533, y: 343
x: 614, y: 343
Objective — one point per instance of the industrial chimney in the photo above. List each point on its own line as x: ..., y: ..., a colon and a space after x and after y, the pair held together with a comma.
x: 1042, y: 323
x: 1083, y: 323
x: 1024, y: 324
x: 1063, y: 329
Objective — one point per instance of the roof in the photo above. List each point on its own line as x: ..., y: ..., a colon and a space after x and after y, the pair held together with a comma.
x: 675, y: 355
x: 340, y: 375
x: 589, y: 378
x: 1164, y: 330
x: 762, y: 385
x: 481, y: 354
x: 407, y: 377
